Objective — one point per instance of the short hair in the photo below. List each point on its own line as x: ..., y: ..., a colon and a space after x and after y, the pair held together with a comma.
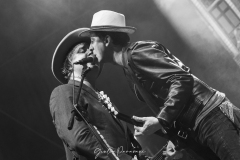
x: 67, y: 65
x: 119, y: 38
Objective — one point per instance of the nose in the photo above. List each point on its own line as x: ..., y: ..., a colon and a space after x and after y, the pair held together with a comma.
x: 91, y: 48
x: 88, y: 52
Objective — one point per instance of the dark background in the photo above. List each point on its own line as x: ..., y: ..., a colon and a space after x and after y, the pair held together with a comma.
x: 30, y: 30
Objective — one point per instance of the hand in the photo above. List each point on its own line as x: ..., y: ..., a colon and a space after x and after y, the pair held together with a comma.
x: 142, y: 157
x: 150, y: 125
x: 171, y: 153
x: 135, y: 158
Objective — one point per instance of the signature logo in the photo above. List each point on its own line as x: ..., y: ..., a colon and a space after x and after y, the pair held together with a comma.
x: 117, y: 151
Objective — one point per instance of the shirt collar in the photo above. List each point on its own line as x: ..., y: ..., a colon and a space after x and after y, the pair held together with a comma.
x: 84, y: 87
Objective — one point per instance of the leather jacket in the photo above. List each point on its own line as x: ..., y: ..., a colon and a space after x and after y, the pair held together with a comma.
x: 176, y: 92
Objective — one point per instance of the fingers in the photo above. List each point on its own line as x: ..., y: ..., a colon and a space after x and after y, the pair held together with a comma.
x: 138, y: 131
x: 172, y: 154
x: 135, y: 157
x: 150, y: 125
x: 139, y: 119
x: 170, y: 145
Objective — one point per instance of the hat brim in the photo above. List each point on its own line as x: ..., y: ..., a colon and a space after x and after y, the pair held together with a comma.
x: 63, y: 49
x: 127, y: 29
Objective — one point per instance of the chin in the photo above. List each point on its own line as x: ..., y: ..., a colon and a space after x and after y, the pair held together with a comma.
x: 94, y: 68
x: 91, y: 65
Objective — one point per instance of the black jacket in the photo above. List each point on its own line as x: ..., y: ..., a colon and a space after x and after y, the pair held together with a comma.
x: 79, y: 141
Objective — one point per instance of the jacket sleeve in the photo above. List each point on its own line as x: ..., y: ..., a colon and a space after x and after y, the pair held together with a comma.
x: 79, y: 139
x: 150, y: 61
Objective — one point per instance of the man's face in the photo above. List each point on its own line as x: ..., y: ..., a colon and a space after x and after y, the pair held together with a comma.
x: 81, y: 52
x: 97, y: 46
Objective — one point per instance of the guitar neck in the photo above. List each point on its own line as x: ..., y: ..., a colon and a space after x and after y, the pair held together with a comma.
x: 159, y: 155
x: 128, y: 119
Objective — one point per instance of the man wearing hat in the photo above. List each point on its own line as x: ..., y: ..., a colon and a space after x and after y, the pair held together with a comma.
x: 79, y: 142
x: 185, y: 107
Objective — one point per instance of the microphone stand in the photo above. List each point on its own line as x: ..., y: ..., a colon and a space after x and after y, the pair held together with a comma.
x: 82, y: 111
x: 83, y: 75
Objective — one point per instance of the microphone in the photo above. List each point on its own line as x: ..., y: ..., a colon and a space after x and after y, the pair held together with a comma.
x: 85, y: 60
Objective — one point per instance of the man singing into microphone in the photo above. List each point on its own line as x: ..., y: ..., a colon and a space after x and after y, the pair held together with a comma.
x: 78, y: 140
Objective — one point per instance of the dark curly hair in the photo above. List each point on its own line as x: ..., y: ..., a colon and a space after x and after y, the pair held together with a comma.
x: 119, y: 38
x: 67, y: 66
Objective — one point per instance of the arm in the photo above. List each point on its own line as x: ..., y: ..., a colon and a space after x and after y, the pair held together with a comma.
x: 170, y: 82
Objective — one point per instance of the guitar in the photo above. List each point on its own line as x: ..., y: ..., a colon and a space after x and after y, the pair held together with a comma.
x: 106, y: 103
x: 192, y: 148
x: 105, y: 100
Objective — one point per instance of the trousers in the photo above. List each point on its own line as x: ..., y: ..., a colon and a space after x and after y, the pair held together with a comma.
x: 219, y: 131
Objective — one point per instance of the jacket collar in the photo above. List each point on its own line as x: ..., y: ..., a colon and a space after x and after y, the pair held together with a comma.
x: 84, y: 87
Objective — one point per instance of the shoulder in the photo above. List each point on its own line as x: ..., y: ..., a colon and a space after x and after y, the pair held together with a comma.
x: 147, y: 52
x: 142, y: 50
x: 61, y: 89
x: 148, y: 44
x: 60, y: 95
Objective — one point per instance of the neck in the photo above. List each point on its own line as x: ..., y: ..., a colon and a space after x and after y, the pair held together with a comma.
x: 117, y: 56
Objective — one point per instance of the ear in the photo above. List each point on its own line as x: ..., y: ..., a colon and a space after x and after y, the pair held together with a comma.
x: 107, y: 40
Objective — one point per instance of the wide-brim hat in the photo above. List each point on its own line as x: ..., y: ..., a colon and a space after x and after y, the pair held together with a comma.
x: 63, y: 49
x: 109, y: 21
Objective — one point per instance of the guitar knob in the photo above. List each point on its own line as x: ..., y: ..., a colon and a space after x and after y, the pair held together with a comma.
x: 104, y: 96
x: 115, y: 113
x: 109, y: 106
x: 112, y: 109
